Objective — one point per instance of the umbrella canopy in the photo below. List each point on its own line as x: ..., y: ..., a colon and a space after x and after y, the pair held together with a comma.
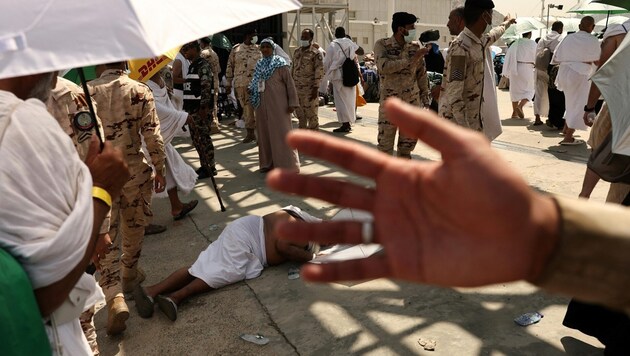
x: 143, y: 69
x: 73, y: 74
x: 41, y: 36
x: 523, y: 25
x: 594, y: 8
x: 613, y: 80
x: 613, y: 20
x: 619, y: 3
x: 570, y: 24
x: 220, y: 40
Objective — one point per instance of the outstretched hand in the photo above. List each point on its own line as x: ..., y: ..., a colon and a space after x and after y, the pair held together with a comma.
x: 107, y: 166
x: 468, y: 220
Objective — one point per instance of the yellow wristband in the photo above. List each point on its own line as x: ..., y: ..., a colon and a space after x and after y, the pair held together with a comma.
x: 102, y: 195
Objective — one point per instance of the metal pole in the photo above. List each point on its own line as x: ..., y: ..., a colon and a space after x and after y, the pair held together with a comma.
x: 542, y: 15
x: 548, y: 17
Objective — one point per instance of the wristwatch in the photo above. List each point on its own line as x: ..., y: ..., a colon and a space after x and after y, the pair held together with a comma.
x: 587, y: 109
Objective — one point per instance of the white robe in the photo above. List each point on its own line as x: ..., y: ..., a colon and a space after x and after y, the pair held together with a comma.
x: 520, y: 68
x: 178, y: 174
x: 345, y: 97
x: 492, y: 127
x: 46, y: 211
x: 575, y: 55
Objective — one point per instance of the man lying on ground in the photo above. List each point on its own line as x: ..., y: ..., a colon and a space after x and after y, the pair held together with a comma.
x: 242, y: 251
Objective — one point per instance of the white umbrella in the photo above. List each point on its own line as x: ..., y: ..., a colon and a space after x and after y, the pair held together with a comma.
x: 44, y: 35
x: 570, y: 24
x: 594, y: 8
x: 613, y: 80
x: 613, y: 20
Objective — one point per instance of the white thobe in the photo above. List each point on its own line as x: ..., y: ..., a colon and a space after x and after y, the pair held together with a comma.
x: 520, y: 68
x: 576, y: 55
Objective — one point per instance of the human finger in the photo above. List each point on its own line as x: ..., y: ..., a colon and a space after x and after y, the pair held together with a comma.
x: 331, y: 190
x: 435, y: 131
x: 349, y: 155
x: 328, y: 232
x: 373, y: 267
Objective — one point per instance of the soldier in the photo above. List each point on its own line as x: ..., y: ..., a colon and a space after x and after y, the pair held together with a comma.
x: 211, y: 56
x: 403, y: 74
x: 198, y: 102
x: 462, y: 97
x: 128, y: 114
x: 308, y: 71
x: 68, y: 106
x: 240, y: 69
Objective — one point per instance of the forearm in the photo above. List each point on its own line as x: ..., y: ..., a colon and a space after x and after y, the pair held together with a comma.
x: 51, y: 297
x: 593, y: 96
x: 591, y: 260
x: 296, y: 253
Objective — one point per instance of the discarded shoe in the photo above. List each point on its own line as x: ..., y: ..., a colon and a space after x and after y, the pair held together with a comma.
x: 153, y: 229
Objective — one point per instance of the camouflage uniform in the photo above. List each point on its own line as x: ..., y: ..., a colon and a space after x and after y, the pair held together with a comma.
x: 307, y: 72
x: 127, y: 111
x: 198, y: 101
x: 211, y: 56
x: 400, y: 78
x: 462, y: 88
x: 68, y: 106
x: 240, y: 68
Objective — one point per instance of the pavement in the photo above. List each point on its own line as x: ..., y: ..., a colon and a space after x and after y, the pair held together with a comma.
x: 379, y: 317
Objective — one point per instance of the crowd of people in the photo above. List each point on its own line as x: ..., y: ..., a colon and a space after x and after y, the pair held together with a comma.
x: 96, y: 175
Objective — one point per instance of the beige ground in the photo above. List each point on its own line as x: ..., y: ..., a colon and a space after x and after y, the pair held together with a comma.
x: 381, y: 317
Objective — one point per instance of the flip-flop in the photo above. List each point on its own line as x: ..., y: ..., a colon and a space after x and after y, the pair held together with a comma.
x: 187, y: 208
x: 167, y: 306
x: 574, y: 143
x: 520, y: 113
x: 144, y: 304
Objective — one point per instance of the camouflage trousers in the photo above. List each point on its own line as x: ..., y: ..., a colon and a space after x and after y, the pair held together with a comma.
x: 200, y: 133
x: 87, y: 324
x: 248, y: 110
x: 387, y: 135
x: 307, y: 112
x: 215, y: 111
x: 131, y: 212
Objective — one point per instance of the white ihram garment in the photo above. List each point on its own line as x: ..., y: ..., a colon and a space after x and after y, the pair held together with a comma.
x: 575, y: 55
x: 46, y: 211
x: 345, y: 97
x: 520, y: 68
x: 492, y: 127
x: 178, y: 174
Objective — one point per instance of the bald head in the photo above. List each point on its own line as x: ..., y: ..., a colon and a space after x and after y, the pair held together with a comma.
x: 587, y: 24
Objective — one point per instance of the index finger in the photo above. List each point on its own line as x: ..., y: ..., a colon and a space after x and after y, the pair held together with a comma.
x: 355, y: 157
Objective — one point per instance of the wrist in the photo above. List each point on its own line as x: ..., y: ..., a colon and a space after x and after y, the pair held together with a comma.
x: 102, y: 195
x: 588, y: 109
x: 546, y: 234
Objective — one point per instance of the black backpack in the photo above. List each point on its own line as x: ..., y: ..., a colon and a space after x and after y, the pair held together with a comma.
x: 349, y: 71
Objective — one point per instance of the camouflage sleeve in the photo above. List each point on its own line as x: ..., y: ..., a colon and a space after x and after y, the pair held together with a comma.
x: 496, y: 33
x: 207, y: 95
x: 229, y: 72
x: 386, y: 65
x: 292, y: 95
x: 150, y: 130
x: 453, y: 96
x: 423, y: 84
x: 216, y: 69
x: 319, y: 69
x: 293, y: 61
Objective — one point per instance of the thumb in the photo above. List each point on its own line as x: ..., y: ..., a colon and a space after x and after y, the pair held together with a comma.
x: 93, y: 150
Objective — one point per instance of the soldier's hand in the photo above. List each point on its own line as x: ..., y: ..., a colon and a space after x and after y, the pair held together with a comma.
x: 228, y: 89
x: 509, y: 19
x: 314, y: 94
x: 420, y: 54
x: 291, y: 110
x: 103, y: 245
x: 108, y: 167
x: 159, y: 183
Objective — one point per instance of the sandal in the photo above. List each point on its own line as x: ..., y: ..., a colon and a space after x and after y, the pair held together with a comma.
x: 167, y: 306
x: 186, y: 208
x: 144, y: 303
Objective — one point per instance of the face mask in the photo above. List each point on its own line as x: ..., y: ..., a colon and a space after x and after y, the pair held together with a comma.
x: 255, y: 39
x: 304, y: 43
x: 488, y: 25
x: 410, y: 36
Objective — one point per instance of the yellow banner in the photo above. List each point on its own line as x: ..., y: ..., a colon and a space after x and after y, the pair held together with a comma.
x: 143, y: 69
